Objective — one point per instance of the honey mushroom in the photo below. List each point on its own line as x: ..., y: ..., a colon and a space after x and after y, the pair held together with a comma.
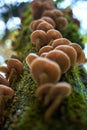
x: 44, y: 70
x: 49, y: 20
x: 60, y: 41
x: 53, y: 34
x: 80, y: 53
x: 38, y: 38
x: 15, y: 67
x: 70, y: 51
x: 4, y: 81
x: 34, y: 24
x: 46, y: 48
x: 55, y: 95
x: 4, y: 69
x: 61, y: 22
x: 45, y: 26
x: 30, y: 57
x: 6, y: 91
x: 43, y: 90
x: 61, y: 58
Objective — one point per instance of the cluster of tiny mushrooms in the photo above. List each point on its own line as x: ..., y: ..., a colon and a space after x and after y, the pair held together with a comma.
x: 56, y: 55
x: 13, y: 68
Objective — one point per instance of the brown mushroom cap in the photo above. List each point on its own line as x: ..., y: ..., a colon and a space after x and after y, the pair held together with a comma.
x: 57, y: 13
x: 45, y: 26
x: 16, y: 64
x: 43, y: 90
x: 34, y: 24
x: 80, y: 53
x: 44, y: 70
x: 61, y: 41
x: 38, y: 38
x: 48, y: 13
x: 53, y: 34
x: 56, y: 94
x: 4, y: 69
x: 6, y: 91
x: 70, y: 51
x: 49, y: 20
x: 45, y: 49
x: 30, y: 57
x: 60, y: 58
x: 61, y: 23
x: 3, y: 80
x: 43, y: 54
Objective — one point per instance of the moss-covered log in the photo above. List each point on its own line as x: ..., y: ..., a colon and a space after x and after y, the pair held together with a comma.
x: 25, y: 111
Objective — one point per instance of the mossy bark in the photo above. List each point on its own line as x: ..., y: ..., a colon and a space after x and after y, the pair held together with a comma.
x: 25, y: 112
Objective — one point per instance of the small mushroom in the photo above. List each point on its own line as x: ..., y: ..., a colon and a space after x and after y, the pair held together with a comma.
x: 80, y: 53
x: 61, y: 58
x: 4, y: 69
x: 48, y: 13
x: 44, y: 70
x: 46, y: 48
x: 55, y: 95
x: 39, y: 38
x: 61, y: 22
x: 4, y: 81
x: 45, y: 26
x: 34, y: 24
x: 14, y: 67
x: 30, y: 57
x: 49, y: 20
x: 70, y: 51
x: 6, y: 91
x: 53, y: 34
x: 57, y: 13
x: 43, y: 90
x: 60, y: 41
x: 43, y: 54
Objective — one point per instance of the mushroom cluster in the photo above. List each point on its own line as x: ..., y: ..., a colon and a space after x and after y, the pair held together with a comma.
x: 56, y: 55
x: 14, y: 67
x: 50, y: 13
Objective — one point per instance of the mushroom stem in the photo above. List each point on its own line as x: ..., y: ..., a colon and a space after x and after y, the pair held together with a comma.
x: 53, y: 107
x: 38, y: 44
x: 12, y: 75
x: 43, y: 78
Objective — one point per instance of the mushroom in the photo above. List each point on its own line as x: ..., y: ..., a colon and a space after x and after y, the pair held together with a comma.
x: 46, y: 48
x: 43, y: 54
x: 61, y: 22
x: 49, y: 20
x: 34, y: 24
x: 53, y: 34
x: 30, y: 57
x: 4, y: 81
x: 60, y: 41
x: 14, y: 67
x: 43, y: 90
x: 70, y: 51
x: 55, y: 95
x: 45, y: 26
x: 4, y: 69
x: 6, y: 91
x: 61, y: 58
x: 44, y: 70
x: 38, y: 38
x: 80, y: 53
